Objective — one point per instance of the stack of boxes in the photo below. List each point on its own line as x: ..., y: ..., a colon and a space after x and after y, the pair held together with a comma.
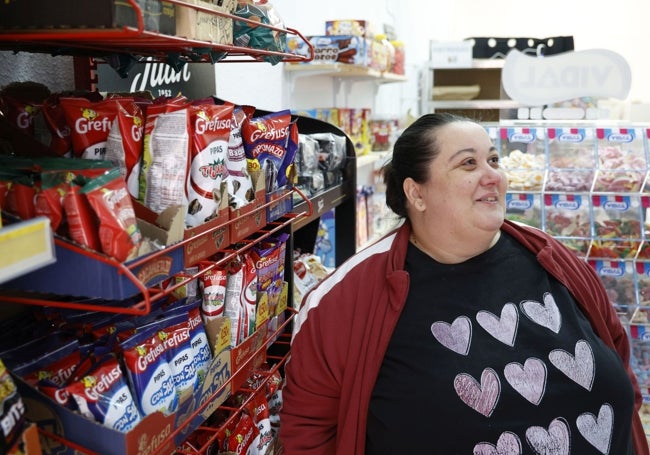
x: 355, y: 42
x: 589, y: 187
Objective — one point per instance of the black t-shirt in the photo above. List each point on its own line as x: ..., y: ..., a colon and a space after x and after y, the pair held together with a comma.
x: 493, y: 356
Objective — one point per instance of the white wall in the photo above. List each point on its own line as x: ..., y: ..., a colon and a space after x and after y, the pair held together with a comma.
x: 620, y: 27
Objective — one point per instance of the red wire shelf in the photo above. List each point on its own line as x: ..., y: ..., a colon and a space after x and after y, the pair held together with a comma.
x: 145, y: 43
x: 150, y: 295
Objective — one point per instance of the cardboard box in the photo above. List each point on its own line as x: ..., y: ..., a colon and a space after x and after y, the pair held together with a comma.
x: 455, y: 54
x: 249, y: 218
x: 333, y: 49
x: 206, y: 239
x: 151, y: 435
x: 199, y: 25
x: 242, y: 360
x: 82, y: 272
x: 350, y: 27
x: 158, y: 16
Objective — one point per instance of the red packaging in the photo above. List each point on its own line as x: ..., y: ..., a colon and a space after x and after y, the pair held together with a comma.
x: 119, y: 233
x: 211, y: 125
x: 82, y: 221
x: 90, y: 123
x: 20, y: 200
x: 243, y: 436
x: 4, y: 187
x: 49, y: 203
x: 55, y: 120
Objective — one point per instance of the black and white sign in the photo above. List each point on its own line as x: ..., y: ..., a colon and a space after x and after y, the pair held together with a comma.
x: 193, y: 80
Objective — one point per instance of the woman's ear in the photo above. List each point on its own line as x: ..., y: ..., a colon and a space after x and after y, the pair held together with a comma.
x: 412, y: 192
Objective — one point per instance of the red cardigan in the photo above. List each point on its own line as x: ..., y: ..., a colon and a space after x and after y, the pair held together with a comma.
x: 345, y: 324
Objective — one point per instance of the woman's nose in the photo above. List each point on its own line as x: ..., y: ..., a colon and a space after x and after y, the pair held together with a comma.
x: 492, y: 175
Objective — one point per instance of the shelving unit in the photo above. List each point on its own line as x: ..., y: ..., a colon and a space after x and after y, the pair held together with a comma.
x: 343, y: 77
x: 87, y: 46
x: 485, y: 73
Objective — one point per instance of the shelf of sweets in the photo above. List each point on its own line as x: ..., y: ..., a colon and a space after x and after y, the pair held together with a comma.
x: 203, y: 426
x: 140, y: 42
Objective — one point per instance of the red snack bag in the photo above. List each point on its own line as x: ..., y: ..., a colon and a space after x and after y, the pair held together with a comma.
x: 90, y: 124
x: 119, y: 233
x: 258, y: 408
x: 49, y: 201
x: 60, y: 141
x: 213, y: 286
x: 20, y: 102
x: 4, y: 188
x: 20, y: 199
x: 82, y: 221
x: 243, y: 436
x: 211, y: 125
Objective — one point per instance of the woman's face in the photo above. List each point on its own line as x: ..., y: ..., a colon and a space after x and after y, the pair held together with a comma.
x: 465, y: 195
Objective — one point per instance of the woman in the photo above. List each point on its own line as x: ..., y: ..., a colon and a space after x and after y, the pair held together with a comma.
x: 459, y: 333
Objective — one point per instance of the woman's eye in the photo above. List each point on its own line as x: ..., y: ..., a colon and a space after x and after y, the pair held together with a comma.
x: 494, y: 161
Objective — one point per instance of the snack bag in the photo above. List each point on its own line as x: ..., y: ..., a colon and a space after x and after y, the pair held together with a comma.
x: 90, y: 123
x: 211, y: 126
x: 105, y: 397
x: 265, y: 142
x: 119, y: 233
x: 165, y: 157
x: 81, y: 219
x: 12, y: 410
x: 240, y: 184
x: 149, y: 372
x: 124, y: 142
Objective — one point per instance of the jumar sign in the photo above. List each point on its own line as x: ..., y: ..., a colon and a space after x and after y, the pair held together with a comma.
x: 535, y: 81
x: 194, y: 80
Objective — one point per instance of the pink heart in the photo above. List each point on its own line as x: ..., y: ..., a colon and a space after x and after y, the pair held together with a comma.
x: 455, y: 336
x: 481, y: 398
x: 529, y: 380
x: 508, y: 444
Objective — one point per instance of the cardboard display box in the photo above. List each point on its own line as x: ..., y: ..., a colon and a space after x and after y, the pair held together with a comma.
x: 203, y: 244
x: 333, y: 49
x: 199, y: 25
x: 158, y: 16
x: 249, y: 218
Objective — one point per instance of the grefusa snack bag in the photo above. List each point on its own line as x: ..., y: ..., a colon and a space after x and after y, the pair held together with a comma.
x: 149, y: 372
x: 104, y: 395
x: 211, y: 126
x: 165, y: 157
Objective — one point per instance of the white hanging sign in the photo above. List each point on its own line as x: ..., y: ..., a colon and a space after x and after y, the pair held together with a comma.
x: 535, y: 81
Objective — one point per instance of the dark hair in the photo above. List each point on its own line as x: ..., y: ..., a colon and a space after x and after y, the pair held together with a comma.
x: 415, y: 148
